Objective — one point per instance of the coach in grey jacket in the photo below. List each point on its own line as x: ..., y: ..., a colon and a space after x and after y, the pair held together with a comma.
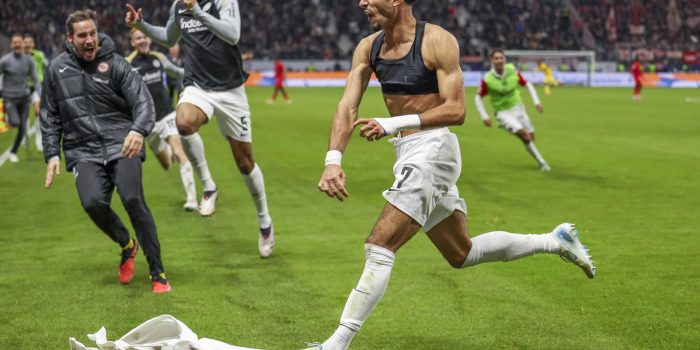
x: 101, y: 110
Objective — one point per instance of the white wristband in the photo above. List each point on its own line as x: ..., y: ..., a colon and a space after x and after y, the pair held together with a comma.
x: 333, y: 157
x: 399, y: 123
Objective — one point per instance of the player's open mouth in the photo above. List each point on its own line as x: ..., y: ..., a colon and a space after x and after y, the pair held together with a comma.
x: 89, y: 50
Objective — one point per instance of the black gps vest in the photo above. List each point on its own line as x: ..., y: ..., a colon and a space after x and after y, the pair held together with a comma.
x: 407, y: 75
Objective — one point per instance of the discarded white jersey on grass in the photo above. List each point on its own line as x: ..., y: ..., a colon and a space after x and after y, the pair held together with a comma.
x: 164, y: 332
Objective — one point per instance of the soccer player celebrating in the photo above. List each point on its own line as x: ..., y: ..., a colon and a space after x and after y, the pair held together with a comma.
x: 417, y: 65
x: 279, y: 83
x: 164, y: 140
x: 549, y: 80
x: 40, y: 63
x: 214, y: 78
x: 637, y: 75
x: 100, y: 110
x: 502, y: 83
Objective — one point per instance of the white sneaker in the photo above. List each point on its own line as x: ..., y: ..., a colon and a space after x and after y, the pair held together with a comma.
x: 191, y: 205
x: 270, y: 101
x: 13, y: 158
x: 544, y: 167
x: 265, y: 245
x: 289, y: 102
x: 208, y: 205
x: 571, y: 249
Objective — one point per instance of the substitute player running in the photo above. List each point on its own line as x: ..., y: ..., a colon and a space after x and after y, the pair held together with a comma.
x: 214, y: 78
x: 417, y: 64
x: 503, y: 84
x: 164, y: 140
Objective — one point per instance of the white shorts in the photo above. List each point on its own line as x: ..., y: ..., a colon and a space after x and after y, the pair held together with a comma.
x: 427, y: 168
x: 163, y: 129
x: 230, y: 107
x: 34, y: 97
x: 515, y: 119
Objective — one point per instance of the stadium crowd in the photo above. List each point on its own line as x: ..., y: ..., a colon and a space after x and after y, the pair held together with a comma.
x: 295, y: 29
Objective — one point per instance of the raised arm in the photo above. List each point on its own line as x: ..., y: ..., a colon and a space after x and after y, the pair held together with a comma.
x: 228, y: 26
x: 332, y: 181
x: 166, y: 36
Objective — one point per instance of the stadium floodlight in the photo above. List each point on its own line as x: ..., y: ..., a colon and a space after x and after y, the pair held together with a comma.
x: 580, y: 61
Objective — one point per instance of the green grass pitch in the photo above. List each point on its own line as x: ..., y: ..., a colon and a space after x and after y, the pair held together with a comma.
x: 626, y: 173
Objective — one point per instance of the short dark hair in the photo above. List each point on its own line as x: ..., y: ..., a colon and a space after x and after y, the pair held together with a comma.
x: 410, y: 2
x: 495, y: 51
x: 80, y: 16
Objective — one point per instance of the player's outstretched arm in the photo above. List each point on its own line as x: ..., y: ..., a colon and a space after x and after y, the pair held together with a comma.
x: 170, y: 68
x: 332, y: 181
x: 166, y: 36
x: 532, y: 91
x: 443, y: 55
x: 227, y: 27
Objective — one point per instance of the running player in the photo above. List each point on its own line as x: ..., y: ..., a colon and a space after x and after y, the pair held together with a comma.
x: 501, y: 83
x: 16, y: 68
x: 637, y: 75
x: 40, y: 63
x: 214, y: 77
x: 279, y: 83
x: 549, y: 80
x: 164, y: 140
x: 417, y: 65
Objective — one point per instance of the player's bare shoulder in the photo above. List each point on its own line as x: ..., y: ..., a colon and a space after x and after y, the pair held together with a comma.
x: 436, y: 43
x: 364, y: 49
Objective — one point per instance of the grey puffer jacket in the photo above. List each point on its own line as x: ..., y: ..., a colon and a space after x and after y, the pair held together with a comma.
x: 92, y: 106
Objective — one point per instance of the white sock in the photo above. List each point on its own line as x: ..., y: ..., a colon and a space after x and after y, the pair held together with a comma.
x: 363, y: 299
x: 505, y: 246
x: 194, y: 149
x: 534, y: 152
x: 187, y: 177
x: 256, y: 186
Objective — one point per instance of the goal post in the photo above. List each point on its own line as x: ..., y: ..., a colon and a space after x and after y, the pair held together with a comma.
x: 574, y: 61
